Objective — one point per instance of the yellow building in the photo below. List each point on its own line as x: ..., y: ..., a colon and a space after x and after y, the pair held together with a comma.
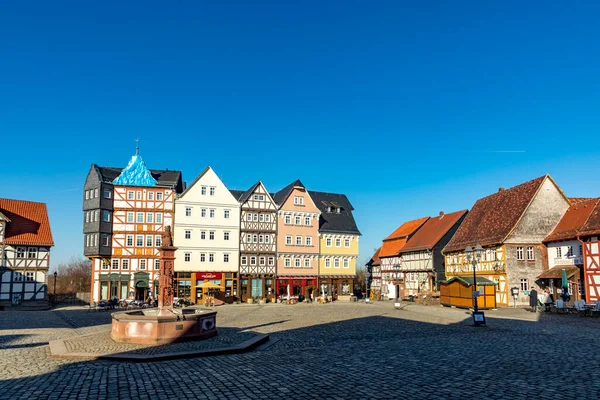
x: 338, y: 245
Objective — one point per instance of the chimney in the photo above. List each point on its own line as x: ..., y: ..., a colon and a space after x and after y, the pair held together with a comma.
x: 501, y: 189
x: 441, y: 213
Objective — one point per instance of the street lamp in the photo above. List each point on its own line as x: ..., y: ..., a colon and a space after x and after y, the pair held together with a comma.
x: 55, y: 274
x: 474, y: 256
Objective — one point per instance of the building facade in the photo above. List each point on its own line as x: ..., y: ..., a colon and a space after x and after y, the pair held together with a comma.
x: 25, y: 242
x: 297, y: 241
x: 510, y: 225
x: 565, y: 251
x: 338, y: 245
x: 374, y: 276
x: 391, y: 278
x: 258, y: 244
x: 422, y: 262
x: 206, y: 234
x: 133, y: 206
x: 589, y: 236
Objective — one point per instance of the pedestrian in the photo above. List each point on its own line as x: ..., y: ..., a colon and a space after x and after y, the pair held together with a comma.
x: 547, y: 300
x: 533, y: 299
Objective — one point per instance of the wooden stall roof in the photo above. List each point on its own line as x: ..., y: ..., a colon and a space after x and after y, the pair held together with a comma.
x: 468, y: 280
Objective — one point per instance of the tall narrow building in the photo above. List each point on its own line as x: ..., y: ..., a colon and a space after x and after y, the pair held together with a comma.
x: 258, y: 243
x: 126, y: 211
x: 297, y: 241
x: 207, y: 235
x: 338, y: 244
x: 25, y: 241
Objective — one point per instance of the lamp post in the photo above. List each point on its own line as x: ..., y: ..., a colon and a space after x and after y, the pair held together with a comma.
x: 55, y: 275
x: 396, y: 286
x: 474, y: 256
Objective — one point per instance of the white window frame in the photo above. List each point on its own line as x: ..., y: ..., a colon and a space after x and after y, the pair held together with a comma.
x: 524, y: 284
x: 211, y: 213
x: 287, y: 262
x: 129, y: 240
x: 307, y: 263
x: 271, y: 261
x: 530, y: 251
x: 104, y: 240
x: 139, y: 218
x: 115, y: 264
x: 262, y: 260
x: 298, y: 240
x: 188, y: 233
x: 297, y: 263
x: 211, y: 191
x: 226, y: 257
x: 346, y: 263
x: 226, y: 235
x: 130, y: 217
x: 243, y: 260
x: 289, y: 240
x: 149, y: 218
x: 202, y: 235
x: 328, y: 242
x: 338, y: 242
x: 143, y: 264
x: 559, y: 252
x: 347, y: 243
x: 226, y: 214
x: 187, y: 257
x: 158, y: 219
x: 203, y: 212
x: 202, y: 257
x: 139, y: 240
x: 159, y: 196
x: 211, y: 257
x: 188, y: 211
x: 149, y: 240
x: 520, y: 253
x: 130, y: 195
x: 307, y: 221
x: 298, y: 220
x: 308, y: 241
x: 336, y: 263
x: 203, y: 190
x: 157, y: 240
x: 252, y: 260
x: 150, y: 195
x: 327, y: 263
x: 211, y: 235
x: 125, y: 263
x: 287, y: 219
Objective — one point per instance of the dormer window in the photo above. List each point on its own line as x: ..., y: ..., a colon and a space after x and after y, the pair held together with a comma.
x: 328, y: 208
x: 338, y: 210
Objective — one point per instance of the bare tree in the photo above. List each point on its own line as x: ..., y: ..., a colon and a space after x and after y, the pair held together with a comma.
x: 74, y: 276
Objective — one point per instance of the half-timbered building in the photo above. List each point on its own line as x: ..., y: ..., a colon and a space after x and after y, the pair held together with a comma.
x: 258, y: 243
x: 565, y: 251
x: 338, y: 244
x: 297, y: 241
x: 422, y: 262
x: 510, y: 225
x: 374, y: 275
x: 126, y: 211
x: 589, y: 236
x: 25, y: 241
x: 391, y: 279
x: 207, y: 235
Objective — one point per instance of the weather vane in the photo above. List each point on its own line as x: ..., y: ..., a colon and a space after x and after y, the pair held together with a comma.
x: 137, y: 147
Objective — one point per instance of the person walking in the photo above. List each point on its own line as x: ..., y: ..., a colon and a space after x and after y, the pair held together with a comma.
x: 533, y: 299
x: 547, y: 300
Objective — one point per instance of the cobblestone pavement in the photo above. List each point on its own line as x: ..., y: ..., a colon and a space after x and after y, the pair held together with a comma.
x: 331, y: 351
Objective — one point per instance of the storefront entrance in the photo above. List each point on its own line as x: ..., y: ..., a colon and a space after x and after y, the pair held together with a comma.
x: 336, y: 287
x: 257, y: 287
x: 296, y: 287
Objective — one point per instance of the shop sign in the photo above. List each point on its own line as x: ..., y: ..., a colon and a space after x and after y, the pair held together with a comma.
x: 208, y: 275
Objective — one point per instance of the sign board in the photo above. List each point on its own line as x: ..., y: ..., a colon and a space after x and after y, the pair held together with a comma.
x: 476, y: 293
x: 208, y: 275
x: 478, y: 318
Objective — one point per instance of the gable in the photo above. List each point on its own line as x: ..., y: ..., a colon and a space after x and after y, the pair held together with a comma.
x: 308, y: 203
x: 208, y: 178
x: 541, y: 216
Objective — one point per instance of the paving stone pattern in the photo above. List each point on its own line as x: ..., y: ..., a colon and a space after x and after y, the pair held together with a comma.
x: 101, y: 343
x: 331, y: 351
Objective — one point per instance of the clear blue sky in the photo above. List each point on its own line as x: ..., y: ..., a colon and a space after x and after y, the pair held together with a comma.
x: 407, y: 107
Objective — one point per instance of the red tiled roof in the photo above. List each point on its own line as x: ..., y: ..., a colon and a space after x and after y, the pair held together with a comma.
x: 576, y: 200
x: 394, y: 243
x: 392, y: 247
x: 407, y: 228
x: 493, y: 217
x: 433, y: 231
x: 28, y: 224
x: 375, y: 259
x: 592, y: 225
x: 573, y: 220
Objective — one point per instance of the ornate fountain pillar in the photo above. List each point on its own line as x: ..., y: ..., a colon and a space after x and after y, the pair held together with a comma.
x: 166, y: 271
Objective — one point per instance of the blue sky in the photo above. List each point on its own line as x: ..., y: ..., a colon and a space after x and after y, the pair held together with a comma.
x: 407, y: 107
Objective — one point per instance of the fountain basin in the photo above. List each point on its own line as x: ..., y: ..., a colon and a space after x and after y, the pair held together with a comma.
x: 162, y: 326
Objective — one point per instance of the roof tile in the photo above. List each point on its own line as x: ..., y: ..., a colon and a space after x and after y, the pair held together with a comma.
x: 433, y: 231
x: 29, y: 223
x: 493, y: 217
x: 592, y: 225
x: 572, y: 221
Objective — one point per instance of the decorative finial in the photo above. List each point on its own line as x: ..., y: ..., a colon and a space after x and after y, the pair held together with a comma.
x: 137, y: 147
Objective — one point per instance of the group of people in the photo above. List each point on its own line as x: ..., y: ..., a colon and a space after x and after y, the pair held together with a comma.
x: 546, y: 298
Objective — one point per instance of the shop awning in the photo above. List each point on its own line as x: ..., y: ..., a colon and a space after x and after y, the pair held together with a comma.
x: 296, y: 277
x: 468, y: 280
x: 556, y: 272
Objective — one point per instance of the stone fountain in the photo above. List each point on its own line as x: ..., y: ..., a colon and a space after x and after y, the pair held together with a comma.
x: 164, y: 325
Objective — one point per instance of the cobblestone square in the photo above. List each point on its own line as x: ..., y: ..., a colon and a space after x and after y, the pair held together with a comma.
x: 331, y: 351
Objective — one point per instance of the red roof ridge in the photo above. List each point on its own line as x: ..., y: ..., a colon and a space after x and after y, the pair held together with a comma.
x: 29, y: 222
x: 492, y: 218
x: 432, y: 231
x: 572, y: 220
x: 24, y: 201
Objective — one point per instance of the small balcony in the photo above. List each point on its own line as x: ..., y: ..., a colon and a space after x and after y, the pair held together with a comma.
x: 566, y: 260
